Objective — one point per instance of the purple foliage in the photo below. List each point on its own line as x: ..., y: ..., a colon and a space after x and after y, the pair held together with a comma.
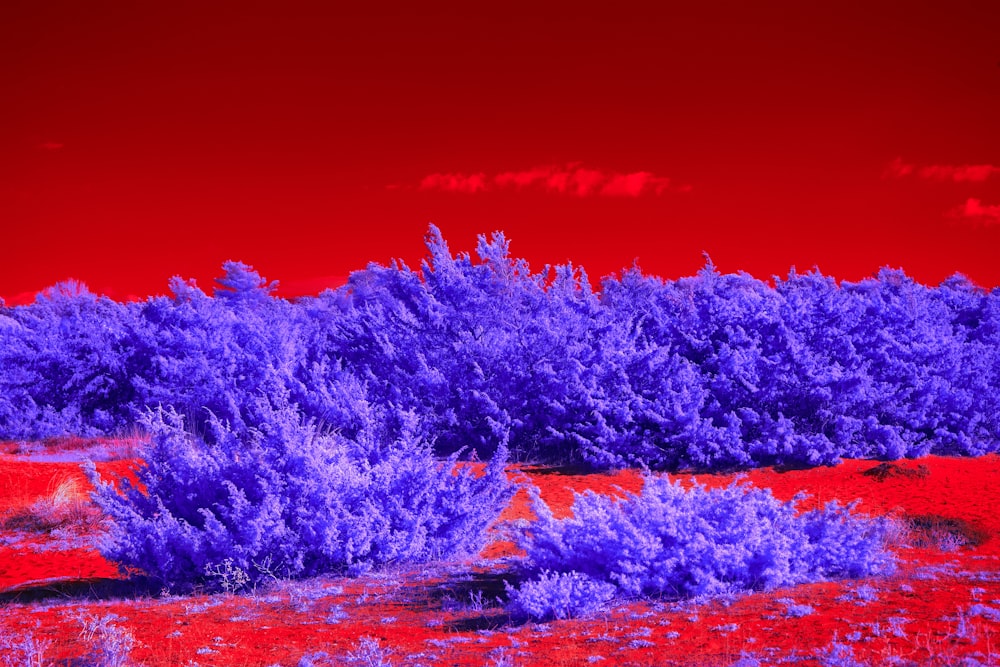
x: 559, y: 595
x: 986, y: 611
x: 706, y: 372
x: 23, y: 650
x: 677, y: 542
x: 836, y: 654
x: 795, y: 610
x: 110, y: 645
x: 283, y: 498
x: 62, y: 365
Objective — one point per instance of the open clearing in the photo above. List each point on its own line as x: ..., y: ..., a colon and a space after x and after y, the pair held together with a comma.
x: 942, y: 607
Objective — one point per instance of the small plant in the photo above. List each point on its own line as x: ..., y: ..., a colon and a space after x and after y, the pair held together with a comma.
x: 964, y: 628
x: 110, y: 644
x: 499, y: 657
x: 23, y: 650
x: 836, y: 654
x: 794, y: 610
x: 944, y: 533
x: 726, y: 627
x: 896, y: 624
x: 335, y: 615
x: 985, y: 611
x: 318, y: 659
x: 860, y: 594
x: 747, y: 660
x: 559, y: 595
x: 476, y: 602
x: 369, y: 653
x: 229, y: 578
x: 64, y: 507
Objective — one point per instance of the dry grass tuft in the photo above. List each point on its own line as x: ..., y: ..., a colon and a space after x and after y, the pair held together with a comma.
x: 65, y: 505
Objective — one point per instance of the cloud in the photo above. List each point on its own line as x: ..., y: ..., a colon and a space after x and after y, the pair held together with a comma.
x: 897, y: 169
x: 469, y: 183
x: 572, y: 179
x: 975, y: 212
x: 523, y: 179
x: 965, y: 173
x: 51, y: 146
x: 973, y: 173
x: 633, y: 185
x: 584, y: 182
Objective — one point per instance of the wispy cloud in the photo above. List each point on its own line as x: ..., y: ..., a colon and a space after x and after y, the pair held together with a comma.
x: 973, y: 173
x: 571, y: 179
x: 454, y: 182
x: 898, y: 169
x: 964, y: 173
x: 975, y: 212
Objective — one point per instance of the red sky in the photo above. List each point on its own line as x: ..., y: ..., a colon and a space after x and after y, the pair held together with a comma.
x: 137, y: 143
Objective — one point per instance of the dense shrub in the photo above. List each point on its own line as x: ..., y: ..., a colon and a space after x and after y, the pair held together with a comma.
x: 62, y: 365
x: 281, y: 498
x: 668, y: 541
x: 706, y: 372
x: 206, y: 355
x: 559, y: 595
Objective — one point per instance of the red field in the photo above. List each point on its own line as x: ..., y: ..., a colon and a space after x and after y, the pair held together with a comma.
x: 942, y: 607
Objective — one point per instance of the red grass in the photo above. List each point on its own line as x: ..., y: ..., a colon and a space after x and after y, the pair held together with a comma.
x: 430, y: 612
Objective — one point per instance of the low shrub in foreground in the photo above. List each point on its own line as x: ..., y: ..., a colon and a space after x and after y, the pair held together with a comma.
x: 223, y: 510
x: 673, y: 542
x: 560, y: 595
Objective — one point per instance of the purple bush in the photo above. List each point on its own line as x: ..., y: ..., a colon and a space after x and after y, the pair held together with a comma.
x: 284, y: 498
x: 706, y: 372
x: 61, y: 365
x: 669, y: 541
x: 553, y: 595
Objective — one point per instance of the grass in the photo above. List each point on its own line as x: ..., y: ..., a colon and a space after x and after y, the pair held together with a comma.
x: 65, y: 505
x: 435, y: 615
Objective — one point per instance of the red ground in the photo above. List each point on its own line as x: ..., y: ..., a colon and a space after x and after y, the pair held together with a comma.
x: 447, y: 615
